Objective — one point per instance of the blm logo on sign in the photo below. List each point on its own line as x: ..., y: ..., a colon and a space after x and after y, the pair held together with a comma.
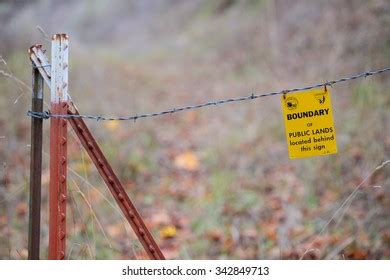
x: 291, y: 103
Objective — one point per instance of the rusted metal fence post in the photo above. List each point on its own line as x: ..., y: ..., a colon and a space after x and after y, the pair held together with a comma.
x: 34, y: 220
x: 87, y: 140
x: 115, y: 186
x: 58, y: 145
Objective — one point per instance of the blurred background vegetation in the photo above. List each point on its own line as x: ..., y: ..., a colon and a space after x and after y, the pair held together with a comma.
x: 214, y: 183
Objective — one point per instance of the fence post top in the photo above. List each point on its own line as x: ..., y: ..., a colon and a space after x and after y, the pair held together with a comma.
x: 60, y: 36
x: 59, y: 68
x: 31, y: 49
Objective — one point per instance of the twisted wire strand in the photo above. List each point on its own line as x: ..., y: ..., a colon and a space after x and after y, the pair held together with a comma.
x: 47, y: 114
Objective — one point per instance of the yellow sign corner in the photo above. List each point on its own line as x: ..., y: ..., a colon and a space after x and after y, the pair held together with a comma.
x: 309, y: 123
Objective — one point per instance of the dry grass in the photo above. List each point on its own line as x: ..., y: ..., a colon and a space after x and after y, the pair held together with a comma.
x: 244, y: 198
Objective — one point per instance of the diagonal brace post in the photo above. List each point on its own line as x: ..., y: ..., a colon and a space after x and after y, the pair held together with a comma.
x: 115, y: 187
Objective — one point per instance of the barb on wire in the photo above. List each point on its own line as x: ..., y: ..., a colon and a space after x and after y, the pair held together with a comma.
x: 253, y: 96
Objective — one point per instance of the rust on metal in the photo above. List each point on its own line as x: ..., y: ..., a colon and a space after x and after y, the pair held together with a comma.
x: 109, y: 177
x: 38, y: 57
x: 58, y: 148
x: 115, y: 187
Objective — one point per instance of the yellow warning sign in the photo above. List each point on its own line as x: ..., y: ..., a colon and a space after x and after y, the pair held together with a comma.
x: 309, y: 123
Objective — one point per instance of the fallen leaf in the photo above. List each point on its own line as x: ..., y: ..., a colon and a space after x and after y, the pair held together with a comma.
x: 112, y: 125
x: 270, y: 231
x: 171, y: 252
x: 21, y: 209
x: 214, y: 234
x: 168, y: 232
x: 81, y: 166
x: 190, y: 117
x: 159, y: 219
x: 94, y: 196
x: 228, y: 245
x: 188, y: 161
x: 115, y: 230
x: 23, y: 253
x: 3, y: 220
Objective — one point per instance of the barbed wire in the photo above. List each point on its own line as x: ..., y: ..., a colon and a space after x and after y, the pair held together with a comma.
x: 47, y: 114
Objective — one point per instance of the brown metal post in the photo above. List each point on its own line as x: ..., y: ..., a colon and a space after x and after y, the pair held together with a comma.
x: 58, y: 145
x: 35, y: 167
